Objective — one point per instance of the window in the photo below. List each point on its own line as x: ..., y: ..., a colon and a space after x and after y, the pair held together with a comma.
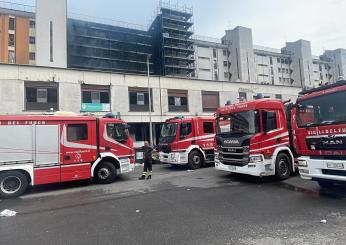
x: 226, y: 75
x: 11, y: 40
x: 224, y: 52
x: 11, y: 24
x: 216, y: 76
x: 11, y: 57
x: 208, y: 127
x: 177, y: 100
x: 139, y: 99
x: 32, y: 56
x: 41, y: 96
x: 185, y: 129
x: 225, y: 63
x: 278, y: 60
x: 32, y: 40
x: 278, y: 96
x: 203, y: 69
x: 271, y: 60
x: 214, y: 53
x: 32, y: 24
x: 269, y: 121
x: 272, y: 70
x: 215, y: 66
x: 95, y: 98
x: 117, y: 132
x: 282, y: 61
x: 280, y: 79
x: 77, y: 132
x: 272, y: 80
x: 286, y: 61
x: 279, y: 69
x: 210, y: 101
x: 242, y: 96
x: 287, y: 70
x: 322, y: 110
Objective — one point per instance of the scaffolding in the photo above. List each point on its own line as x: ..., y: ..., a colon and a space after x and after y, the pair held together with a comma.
x: 176, y: 49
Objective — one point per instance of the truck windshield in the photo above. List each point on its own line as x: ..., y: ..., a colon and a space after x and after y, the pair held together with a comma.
x: 245, y: 122
x: 169, y: 130
x: 322, y: 110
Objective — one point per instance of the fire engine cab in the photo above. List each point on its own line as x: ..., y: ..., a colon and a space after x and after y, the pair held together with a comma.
x: 253, y: 138
x: 319, y: 122
x: 188, y: 141
x: 36, y: 150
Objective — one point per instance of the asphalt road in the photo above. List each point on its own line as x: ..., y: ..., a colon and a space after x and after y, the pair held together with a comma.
x: 178, y: 207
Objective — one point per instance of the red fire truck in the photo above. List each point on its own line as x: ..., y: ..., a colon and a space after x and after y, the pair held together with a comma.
x: 253, y: 138
x: 36, y: 150
x: 319, y: 122
x: 188, y: 141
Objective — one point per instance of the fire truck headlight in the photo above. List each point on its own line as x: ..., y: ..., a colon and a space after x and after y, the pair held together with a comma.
x: 256, y: 158
x: 302, y: 163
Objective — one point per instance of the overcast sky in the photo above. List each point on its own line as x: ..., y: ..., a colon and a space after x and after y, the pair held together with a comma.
x: 273, y: 21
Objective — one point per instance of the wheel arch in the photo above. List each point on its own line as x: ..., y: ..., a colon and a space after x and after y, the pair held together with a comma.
x: 286, y: 150
x: 195, y: 148
x: 109, y: 157
x: 28, y: 171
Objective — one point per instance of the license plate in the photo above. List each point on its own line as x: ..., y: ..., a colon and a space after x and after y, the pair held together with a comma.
x: 335, y: 165
x: 232, y: 168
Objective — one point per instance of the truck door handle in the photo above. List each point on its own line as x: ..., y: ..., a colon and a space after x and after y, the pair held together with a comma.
x: 278, y: 140
x: 107, y: 148
x: 66, y: 157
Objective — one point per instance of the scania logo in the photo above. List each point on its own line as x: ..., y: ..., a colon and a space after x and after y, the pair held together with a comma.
x: 232, y: 142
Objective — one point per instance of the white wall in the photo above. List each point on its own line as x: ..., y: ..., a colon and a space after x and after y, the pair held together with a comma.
x: 12, y: 79
x: 54, y: 11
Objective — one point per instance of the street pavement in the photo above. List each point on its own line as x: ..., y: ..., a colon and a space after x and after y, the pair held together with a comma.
x: 178, y: 207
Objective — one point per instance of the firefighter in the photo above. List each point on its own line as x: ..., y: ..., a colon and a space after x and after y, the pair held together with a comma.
x: 148, y: 161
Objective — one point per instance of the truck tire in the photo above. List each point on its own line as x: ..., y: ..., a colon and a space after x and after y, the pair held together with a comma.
x: 195, y: 160
x: 283, y: 166
x: 105, y: 173
x: 12, y: 184
x: 326, y: 184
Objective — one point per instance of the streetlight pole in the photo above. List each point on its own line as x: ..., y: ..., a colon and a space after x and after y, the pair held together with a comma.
x: 150, y: 121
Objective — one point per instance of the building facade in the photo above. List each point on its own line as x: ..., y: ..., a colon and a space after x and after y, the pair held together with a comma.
x: 37, y: 90
x: 17, y: 37
x: 167, y: 46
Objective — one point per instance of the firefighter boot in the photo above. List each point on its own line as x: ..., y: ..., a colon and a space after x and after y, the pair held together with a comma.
x: 142, y: 177
x: 150, y: 174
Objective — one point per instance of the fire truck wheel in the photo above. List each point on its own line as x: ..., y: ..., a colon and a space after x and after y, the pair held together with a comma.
x: 195, y: 160
x: 105, y: 173
x: 283, y: 166
x: 13, y: 184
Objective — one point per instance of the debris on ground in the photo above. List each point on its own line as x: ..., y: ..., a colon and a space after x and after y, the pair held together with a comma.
x: 323, y: 221
x: 137, y: 211
x: 190, y: 170
x: 8, y: 213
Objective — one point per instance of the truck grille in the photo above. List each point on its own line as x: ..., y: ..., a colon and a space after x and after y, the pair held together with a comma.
x: 326, y: 143
x: 334, y: 172
x: 235, y: 156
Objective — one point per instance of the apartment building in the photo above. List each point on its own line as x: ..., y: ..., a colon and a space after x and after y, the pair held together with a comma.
x: 17, y: 37
x: 211, y: 58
